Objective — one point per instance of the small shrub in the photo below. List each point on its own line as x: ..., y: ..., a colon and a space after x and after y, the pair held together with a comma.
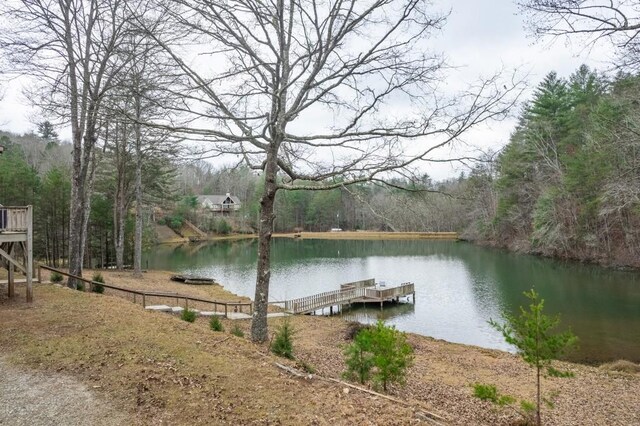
x: 282, y: 345
x: 532, y: 333
x: 80, y: 286
x: 490, y: 393
x: 306, y: 367
x: 216, y: 324
x: 237, y: 331
x: 97, y: 288
x: 380, y: 353
x: 56, y: 277
x: 188, y: 315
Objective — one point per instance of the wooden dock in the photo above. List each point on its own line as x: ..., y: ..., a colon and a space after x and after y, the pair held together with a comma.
x: 365, y: 291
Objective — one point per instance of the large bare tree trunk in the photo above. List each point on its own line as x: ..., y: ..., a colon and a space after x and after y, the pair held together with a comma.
x: 76, y: 216
x: 259, y: 329
x: 137, y: 245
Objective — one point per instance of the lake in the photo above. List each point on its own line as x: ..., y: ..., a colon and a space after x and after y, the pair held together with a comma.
x: 459, y: 286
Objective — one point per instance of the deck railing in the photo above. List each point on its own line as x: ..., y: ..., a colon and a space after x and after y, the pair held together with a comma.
x: 390, y: 293
x: 311, y: 303
x: 358, y: 284
x: 146, y: 295
x: 14, y: 219
x: 350, y: 292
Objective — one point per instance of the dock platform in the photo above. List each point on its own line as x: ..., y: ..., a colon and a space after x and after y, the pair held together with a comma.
x: 365, y: 291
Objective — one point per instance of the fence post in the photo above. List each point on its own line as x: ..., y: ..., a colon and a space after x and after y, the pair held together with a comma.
x: 226, y: 313
x: 144, y: 300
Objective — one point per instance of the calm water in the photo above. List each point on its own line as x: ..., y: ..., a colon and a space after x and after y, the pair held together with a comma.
x: 458, y: 286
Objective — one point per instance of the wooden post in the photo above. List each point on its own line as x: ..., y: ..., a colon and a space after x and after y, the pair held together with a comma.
x: 226, y: 313
x: 29, y: 254
x: 11, y: 277
x: 144, y: 300
x: 39, y: 274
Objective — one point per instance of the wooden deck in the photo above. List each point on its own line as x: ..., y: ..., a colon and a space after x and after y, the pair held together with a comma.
x: 16, y: 238
x: 357, y: 292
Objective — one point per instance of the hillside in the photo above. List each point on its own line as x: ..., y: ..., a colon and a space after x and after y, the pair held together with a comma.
x: 153, y: 368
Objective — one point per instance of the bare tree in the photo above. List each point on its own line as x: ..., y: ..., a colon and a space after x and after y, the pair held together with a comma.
x: 329, y: 91
x: 617, y: 22
x: 70, y: 49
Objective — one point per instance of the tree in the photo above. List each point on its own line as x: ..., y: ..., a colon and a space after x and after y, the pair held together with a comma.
x: 70, y: 49
x: 615, y: 21
x: 532, y: 334
x: 380, y: 352
x: 47, y: 131
x: 332, y: 92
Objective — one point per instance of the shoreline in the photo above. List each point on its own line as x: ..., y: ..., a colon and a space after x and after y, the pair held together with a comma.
x: 109, y: 342
x: 341, y: 235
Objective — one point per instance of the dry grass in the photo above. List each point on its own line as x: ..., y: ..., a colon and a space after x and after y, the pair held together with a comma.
x: 622, y: 366
x: 156, y: 368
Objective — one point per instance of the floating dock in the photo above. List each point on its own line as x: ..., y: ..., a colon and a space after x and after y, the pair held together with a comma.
x: 365, y: 291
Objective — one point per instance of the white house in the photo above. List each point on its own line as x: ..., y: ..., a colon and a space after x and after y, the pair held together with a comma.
x: 220, y: 203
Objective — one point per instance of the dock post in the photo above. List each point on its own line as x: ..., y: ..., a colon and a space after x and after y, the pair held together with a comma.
x: 11, y: 284
x: 29, y: 254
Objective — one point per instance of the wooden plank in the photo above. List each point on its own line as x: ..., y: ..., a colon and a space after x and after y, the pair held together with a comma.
x: 12, y: 260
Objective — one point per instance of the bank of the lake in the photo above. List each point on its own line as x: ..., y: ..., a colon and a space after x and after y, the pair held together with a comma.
x: 459, y: 286
x: 153, y: 368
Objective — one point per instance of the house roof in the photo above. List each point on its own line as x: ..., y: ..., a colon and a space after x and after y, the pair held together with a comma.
x: 217, y: 199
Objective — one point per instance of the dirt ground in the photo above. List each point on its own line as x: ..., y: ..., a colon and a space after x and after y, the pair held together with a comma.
x: 154, y: 368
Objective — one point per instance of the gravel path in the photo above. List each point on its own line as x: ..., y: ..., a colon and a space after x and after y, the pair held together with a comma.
x: 35, y: 398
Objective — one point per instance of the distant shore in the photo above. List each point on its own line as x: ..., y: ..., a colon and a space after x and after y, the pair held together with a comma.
x: 338, y: 235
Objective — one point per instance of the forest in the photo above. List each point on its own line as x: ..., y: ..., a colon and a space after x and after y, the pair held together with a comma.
x: 567, y: 185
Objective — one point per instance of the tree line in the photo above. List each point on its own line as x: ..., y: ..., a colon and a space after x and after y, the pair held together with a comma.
x: 568, y: 183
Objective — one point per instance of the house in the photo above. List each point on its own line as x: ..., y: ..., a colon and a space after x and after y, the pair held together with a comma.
x: 219, y: 203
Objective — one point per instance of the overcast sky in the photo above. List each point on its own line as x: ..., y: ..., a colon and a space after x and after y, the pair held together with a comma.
x: 480, y: 37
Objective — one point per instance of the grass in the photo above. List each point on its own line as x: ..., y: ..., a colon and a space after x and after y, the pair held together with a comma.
x: 159, y: 369
x: 154, y: 366
x: 622, y: 366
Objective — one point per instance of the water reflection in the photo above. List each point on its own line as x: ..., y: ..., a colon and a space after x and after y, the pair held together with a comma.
x: 458, y: 286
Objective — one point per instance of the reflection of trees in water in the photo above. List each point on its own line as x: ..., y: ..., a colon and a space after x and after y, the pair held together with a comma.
x: 369, y: 314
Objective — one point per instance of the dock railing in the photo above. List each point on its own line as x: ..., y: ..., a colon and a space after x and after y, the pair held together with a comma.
x: 146, y: 295
x: 311, y: 303
x: 390, y: 293
x: 358, y: 284
x: 349, y: 293
x: 14, y: 219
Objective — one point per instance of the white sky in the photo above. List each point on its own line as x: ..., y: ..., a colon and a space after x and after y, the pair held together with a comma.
x: 480, y: 37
